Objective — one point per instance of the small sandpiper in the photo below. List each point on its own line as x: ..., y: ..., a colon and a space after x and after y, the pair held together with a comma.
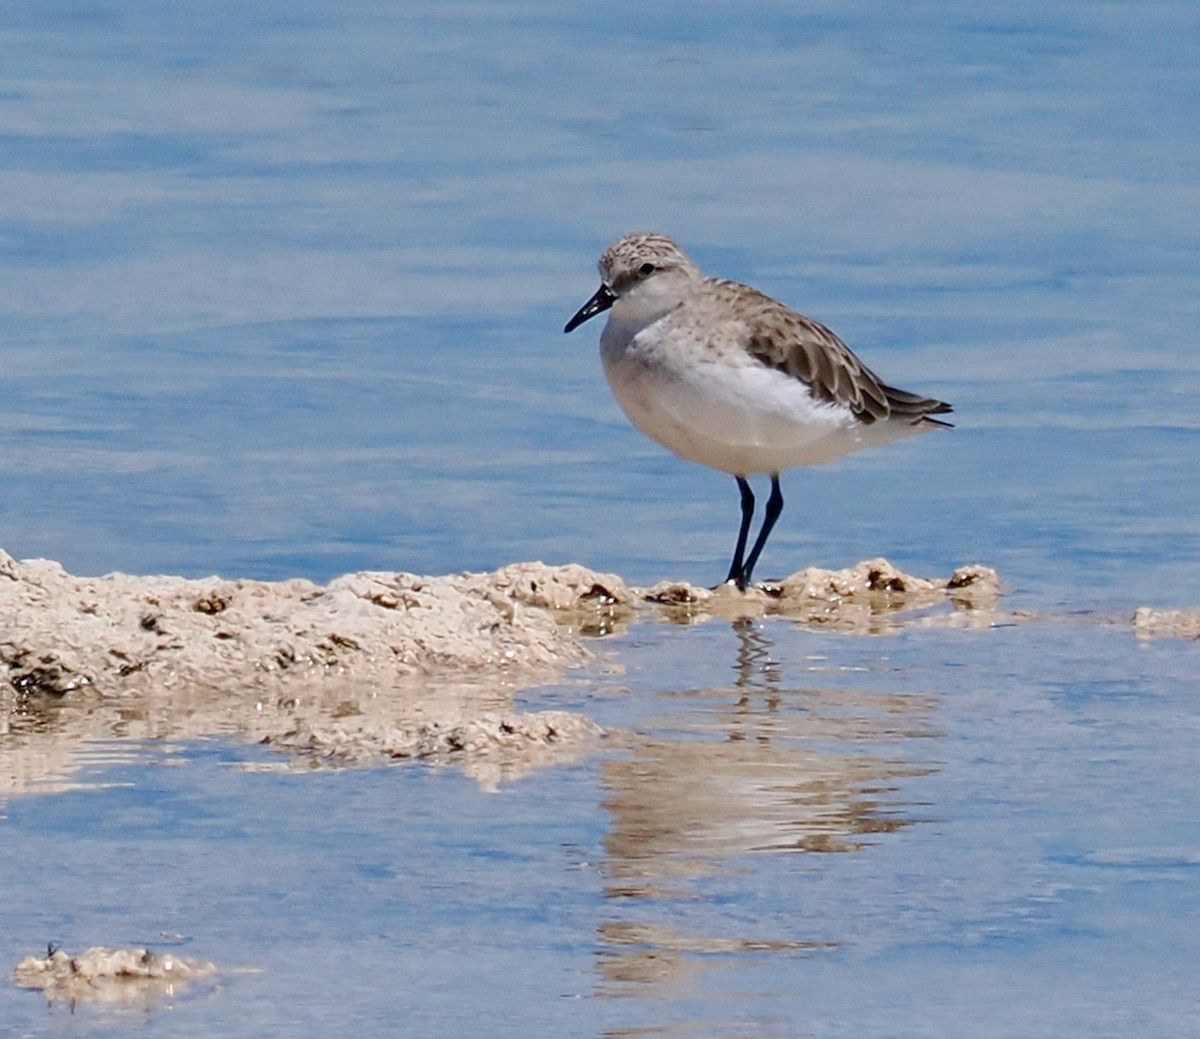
x: 721, y: 374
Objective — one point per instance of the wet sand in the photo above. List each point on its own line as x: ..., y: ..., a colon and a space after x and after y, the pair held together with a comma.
x: 389, y: 665
x: 371, y: 665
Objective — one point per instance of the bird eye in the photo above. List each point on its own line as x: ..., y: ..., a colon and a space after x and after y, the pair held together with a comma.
x: 646, y: 268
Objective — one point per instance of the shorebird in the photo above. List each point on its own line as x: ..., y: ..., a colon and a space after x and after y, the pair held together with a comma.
x: 723, y: 375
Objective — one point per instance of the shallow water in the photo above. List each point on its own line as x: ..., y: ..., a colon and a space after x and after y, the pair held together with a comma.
x: 284, y: 289
x: 798, y: 833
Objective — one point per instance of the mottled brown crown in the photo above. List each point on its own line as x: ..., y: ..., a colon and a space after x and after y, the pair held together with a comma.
x: 621, y: 263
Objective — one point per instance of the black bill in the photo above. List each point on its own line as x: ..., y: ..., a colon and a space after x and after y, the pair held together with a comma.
x: 596, y: 305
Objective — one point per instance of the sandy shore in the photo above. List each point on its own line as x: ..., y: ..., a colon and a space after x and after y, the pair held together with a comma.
x: 383, y: 665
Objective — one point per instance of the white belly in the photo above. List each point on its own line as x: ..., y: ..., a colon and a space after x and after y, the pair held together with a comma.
x: 729, y: 412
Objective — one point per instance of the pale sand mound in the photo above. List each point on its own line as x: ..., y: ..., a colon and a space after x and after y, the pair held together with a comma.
x: 372, y: 665
x: 113, y: 633
x: 132, y: 977
x: 1180, y: 624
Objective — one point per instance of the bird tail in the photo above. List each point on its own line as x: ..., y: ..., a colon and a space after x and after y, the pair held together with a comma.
x: 917, y: 408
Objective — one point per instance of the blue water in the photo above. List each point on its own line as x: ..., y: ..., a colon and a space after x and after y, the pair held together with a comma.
x: 283, y: 294
x: 803, y: 834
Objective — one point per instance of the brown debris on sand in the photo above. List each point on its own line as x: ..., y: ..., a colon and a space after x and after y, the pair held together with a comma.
x: 870, y: 597
x: 129, y: 976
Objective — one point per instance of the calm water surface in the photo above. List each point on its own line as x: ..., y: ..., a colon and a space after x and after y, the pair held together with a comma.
x: 987, y: 833
x: 284, y: 290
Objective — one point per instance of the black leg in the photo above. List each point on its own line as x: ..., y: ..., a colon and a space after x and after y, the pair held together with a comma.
x: 735, y: 568
x: 774, y: 508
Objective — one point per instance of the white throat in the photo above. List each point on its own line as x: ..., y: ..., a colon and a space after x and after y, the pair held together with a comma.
x: 648, y: 300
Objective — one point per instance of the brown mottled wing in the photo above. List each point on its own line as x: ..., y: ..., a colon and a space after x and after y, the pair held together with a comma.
x: 780, y: 338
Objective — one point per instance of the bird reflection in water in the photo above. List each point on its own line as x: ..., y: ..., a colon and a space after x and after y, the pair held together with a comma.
x: 756, y: 670
x: 729, y: 773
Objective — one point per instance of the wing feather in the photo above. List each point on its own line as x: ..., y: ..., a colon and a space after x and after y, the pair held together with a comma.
x: 775, y: 335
